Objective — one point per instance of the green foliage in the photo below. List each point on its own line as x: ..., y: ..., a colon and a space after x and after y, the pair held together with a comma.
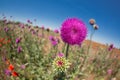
x: 38, y: 55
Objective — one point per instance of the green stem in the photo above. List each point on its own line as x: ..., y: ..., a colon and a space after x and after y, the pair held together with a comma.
x: 86, y: 56
x: 67, y: 50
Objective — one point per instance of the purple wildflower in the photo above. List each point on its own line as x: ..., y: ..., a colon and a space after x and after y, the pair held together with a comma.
x: 7, y: 72
x: 73, y: 31
x: 109, y: 71
x: 22, y: 66
x: 6, y: 29
x: 42, y: 27
x: 54, y: 43
x: 22, y: 25
x: 4, y: 58
x: 110, y: 47
x: 60, y: 55
x: 56, y: 31
x: 28, y: 21
x: 18, y: 40
x: 19, y: 49
x: 33, y: 32
x: 53, y: 40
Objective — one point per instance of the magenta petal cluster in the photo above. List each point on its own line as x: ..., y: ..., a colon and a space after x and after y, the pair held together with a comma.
x: 73, y: 31
x: 60, y: 55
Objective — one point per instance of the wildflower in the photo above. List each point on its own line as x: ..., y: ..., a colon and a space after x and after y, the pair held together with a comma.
x: 0, y: 45
x: 56, y: 31
x: 19, y: 49
x: 95, y: 26
x: 11, y: 67
x: 29, y: 21
x: 110, y: 47
x: 48, y: 29
x: 33, y: 32
x: 8, y: 41
x: 18, y: 40
x: 42, y: 27
x: 54, y: 43
x: 22, y: 66
x: 60, y: 64
x: 7, y: 72
x: 109, y: 71
x: 15, y: 74
x: 2, y: 39
x: 60, y: 54
x: 53, y: 40
x: 22, y: 25
x: 6, y: 29
x: 73, y: 31
x: 92, y: 21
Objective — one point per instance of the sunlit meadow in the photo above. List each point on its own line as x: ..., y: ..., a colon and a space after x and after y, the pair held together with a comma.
x: 30, y: 52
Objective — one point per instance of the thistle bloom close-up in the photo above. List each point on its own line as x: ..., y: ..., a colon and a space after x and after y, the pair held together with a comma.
x: 73, y: 31
x: 60, y: 63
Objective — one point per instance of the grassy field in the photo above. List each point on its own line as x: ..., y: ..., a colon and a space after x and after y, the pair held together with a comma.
x: 30, y: 53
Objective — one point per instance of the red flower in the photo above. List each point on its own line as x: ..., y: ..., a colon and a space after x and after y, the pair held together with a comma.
x: 15, y: 74
x: 11, y: 67
x: 0, y: 45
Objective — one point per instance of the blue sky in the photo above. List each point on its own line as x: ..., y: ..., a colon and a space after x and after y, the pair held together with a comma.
x: 52, y: 13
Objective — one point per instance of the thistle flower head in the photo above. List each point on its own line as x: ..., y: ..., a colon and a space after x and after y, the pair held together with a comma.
x: 53, y: 40
x: 60, y: 55
x: 7, y: 72
x: 6, y: 29
x: 73, y: 31
x: 110, y: 47
x: 18, y: 40
x: 92, y: 21
x: 60, y: 63
x: 109, y: 71
x: 19, y: 49
x: 95, y: 26
x: 56, y: 31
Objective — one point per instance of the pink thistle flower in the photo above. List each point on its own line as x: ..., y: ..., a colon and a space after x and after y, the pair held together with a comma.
x: 56, y: 31
x: 43, y: 27
x: 22, y: 25
x: 22, y: 66
x: 60, y: 55
x: 73, y: 31
x: 6, y: 29
x: 28, y: 21
x: 110, y: 47
x: 109, y: 71
x: 18, y: 40
x: 53, y: 40
x: 19, y: 49
x: 7, y: 72
x: 54, y: 43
